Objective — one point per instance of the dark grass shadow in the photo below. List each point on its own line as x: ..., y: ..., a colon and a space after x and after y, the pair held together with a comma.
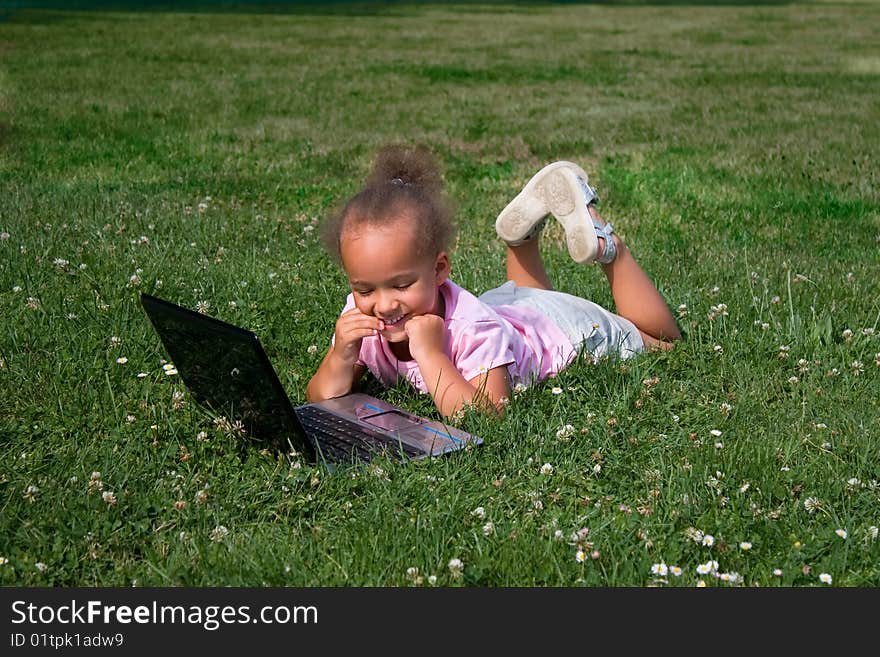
x: 10, y: 8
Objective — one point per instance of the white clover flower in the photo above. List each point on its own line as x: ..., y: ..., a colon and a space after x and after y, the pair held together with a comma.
x: 546, y: 469
x: 842, y: 533
x: 489, y: 528
x: 857, y: 367
x: 109, y: 497
x: 825, y: 578
x: 456, y: 566
x: 847, y: 335
x: 202, y: 307
x: 777, y: 572
x: 872, y: 532
x: 659, y: 569
x: 745, y: 486
x: 812, y: 504
x: 30, y: 493
x: 597, y: 468
x: 565, y: 431
x: 704, y: 568
x: 694, y: 534
x: 558, y: 535
x: 219, y: 533
x: 313, y: 348
x: 725, y: 408
x: 479, y: 512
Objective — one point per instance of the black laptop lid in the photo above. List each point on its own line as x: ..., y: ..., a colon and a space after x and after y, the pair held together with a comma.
x: 227, y: 371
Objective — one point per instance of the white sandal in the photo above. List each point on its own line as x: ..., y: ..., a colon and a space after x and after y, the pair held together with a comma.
x: 560, y: 189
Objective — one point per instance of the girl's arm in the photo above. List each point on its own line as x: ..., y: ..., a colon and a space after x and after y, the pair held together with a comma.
x: 339, y: 371
x: 333, y: 378
x: 452, y: 392
x: 449, y: 389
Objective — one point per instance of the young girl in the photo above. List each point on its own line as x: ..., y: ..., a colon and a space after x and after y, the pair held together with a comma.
x: 406, y: 319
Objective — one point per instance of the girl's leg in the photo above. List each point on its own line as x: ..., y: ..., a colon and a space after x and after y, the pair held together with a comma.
x: 525, y: 267
x: 636, y: 297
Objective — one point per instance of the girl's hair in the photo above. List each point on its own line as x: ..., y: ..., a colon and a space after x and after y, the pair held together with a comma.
x: 405, y: 182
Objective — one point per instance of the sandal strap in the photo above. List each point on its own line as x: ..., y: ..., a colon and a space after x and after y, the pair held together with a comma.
x: 590, y: 195
x: 605, y: 232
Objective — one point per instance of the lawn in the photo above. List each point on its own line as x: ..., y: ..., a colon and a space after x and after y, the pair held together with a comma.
x: 191, y: 153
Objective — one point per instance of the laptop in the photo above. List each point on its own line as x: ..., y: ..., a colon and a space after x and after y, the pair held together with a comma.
x: 229, y: 374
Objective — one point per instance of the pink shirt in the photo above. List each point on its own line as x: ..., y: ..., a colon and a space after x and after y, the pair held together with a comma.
x: 479, y: 338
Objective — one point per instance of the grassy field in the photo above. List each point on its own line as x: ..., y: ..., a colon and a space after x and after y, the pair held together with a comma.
x: 191, y: 154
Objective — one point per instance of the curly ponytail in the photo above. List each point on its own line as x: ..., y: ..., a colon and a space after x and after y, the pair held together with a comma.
x: 405, y: 182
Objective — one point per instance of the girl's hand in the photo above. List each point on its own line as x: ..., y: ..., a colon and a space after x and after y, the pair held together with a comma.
x: 427, y: 335
x: 351, y: 329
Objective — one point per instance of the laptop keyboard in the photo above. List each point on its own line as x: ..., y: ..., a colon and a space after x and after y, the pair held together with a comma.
x: 346, y: 439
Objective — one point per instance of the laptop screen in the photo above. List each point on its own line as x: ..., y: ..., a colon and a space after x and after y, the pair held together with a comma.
x: 226, y: 370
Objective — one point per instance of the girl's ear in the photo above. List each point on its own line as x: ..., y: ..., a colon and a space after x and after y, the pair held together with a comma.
x: 442, y: 268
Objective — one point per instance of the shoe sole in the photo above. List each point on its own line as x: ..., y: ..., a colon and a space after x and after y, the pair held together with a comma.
x: 565, y: 198
x: 553, y: 190
x: 527, y: 208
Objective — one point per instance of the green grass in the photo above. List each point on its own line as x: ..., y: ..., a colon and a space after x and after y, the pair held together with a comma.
x: 190, y: 154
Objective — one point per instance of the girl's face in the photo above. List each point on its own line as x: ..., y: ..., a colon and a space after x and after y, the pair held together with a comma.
x: 388, y: 279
